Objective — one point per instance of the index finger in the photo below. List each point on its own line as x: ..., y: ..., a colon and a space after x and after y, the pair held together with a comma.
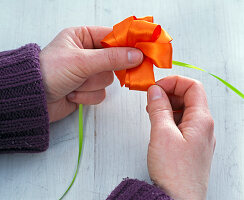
x: 97, y: 33
x: 190, y: 90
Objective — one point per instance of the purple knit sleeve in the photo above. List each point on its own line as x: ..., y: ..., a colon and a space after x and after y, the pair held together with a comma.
x: 137, y: 190
x: 24, y: 123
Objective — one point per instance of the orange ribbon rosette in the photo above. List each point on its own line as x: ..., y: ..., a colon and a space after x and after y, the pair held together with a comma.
x: 151, y: 39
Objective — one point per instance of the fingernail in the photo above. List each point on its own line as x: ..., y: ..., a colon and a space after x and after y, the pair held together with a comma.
x: 71, y: 95
x: 154, y: 93
x: 135, y: 56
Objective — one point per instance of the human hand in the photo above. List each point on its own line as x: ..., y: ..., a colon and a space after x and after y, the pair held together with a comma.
x: 75, y: 71
x: 181, y: 143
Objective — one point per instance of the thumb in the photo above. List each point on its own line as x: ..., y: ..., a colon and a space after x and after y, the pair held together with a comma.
x: 94, y: 61
x: 161, y: 115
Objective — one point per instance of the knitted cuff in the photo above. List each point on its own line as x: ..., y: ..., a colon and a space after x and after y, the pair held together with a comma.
x: 134, y: 189
x: 24, y: 123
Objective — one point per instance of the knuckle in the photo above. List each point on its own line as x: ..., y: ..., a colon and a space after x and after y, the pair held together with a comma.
x: 197, y: 83
x: 156, y: 112
x: 209, y: 122
x: 66, y: 30
x: 80, y: 61
x: 109, y: 79
x: 101, y: 96
x: 214, y: 142
x: 78, y: 57
x: 112, y: 55
x: 78, y: 71
x: 80, y: 30
x: 175, y: 77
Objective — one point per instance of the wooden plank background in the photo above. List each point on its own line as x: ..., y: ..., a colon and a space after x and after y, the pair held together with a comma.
x: 206, y: 33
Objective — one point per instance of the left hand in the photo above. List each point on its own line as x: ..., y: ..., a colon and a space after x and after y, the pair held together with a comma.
x: 76, y: 72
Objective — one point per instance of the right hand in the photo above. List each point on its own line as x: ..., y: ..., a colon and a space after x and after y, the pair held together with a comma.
x: 181, y: 143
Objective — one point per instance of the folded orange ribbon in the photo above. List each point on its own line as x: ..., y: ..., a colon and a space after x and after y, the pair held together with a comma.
x: 151, y: 39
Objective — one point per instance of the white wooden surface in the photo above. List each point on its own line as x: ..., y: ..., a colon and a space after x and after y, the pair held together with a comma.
x: 209, y: 34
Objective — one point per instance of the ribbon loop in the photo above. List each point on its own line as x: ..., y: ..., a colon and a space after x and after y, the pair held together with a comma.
x: 151, y: 39
x: 142, y: 31
x: 154, y: 51
x: 141, y: 77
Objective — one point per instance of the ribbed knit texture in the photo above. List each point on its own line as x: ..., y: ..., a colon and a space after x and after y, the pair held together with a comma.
x: 24, y: 123
x: 132, y: 189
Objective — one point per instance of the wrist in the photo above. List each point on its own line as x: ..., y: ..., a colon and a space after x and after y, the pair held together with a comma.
x: 188, y: 195
x: 42, y: 69
x: 43, y: 59
x: 183, y: 191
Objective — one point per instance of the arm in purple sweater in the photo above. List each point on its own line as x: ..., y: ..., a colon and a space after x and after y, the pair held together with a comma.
x: 132, y: 189
x: 24, y: 123
x: 24, y: 119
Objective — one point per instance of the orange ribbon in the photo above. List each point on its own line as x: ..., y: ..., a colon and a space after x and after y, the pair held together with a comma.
x: 151, y: 39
